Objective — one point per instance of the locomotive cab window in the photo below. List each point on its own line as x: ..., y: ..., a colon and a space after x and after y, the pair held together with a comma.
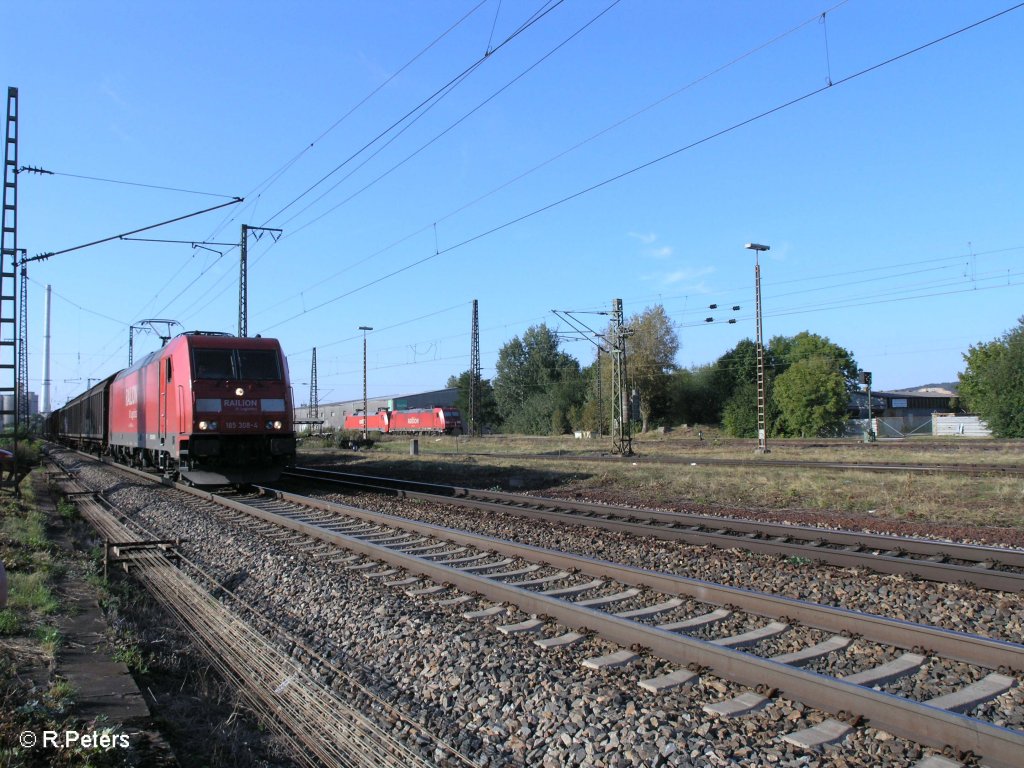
x: 213, y: 363
x: 259, y: 364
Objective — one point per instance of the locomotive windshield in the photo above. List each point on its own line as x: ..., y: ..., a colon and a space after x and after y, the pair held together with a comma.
x: 249, y: 364
x: 261, y: 364
x: 213, y: 363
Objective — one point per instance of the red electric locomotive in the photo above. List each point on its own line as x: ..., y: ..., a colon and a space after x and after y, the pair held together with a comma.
x: 377, y: 422
x: 213, y: 407
x: 432, y: 420
x: 446, y: 421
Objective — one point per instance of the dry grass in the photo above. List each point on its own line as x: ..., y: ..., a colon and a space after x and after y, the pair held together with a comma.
x: 685, y: 443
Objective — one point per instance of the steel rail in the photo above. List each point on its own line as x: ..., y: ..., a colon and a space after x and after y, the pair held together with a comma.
x: 959, y: 646
x: 959, y: 469
x: 908, y: 544
x: 853, y: 550
x: 999, y: 747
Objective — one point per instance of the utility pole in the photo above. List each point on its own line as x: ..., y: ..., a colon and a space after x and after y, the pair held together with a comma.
x: 623, y: 444
x: 475, y: 427
x: 314, y: 394
x: 243, y: 274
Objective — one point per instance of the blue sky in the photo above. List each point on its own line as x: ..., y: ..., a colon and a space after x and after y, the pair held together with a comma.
x: 891, y: 200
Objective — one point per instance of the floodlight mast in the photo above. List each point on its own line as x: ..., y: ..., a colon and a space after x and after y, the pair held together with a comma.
x: 762, y: 389
x: 366, y: 416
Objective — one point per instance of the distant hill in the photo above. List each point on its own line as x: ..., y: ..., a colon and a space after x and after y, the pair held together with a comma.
x: 950, y: 388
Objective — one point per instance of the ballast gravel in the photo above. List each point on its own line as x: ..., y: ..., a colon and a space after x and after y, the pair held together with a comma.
x: 500, y: 700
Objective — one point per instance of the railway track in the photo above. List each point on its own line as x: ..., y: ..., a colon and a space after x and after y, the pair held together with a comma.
x: 994, y: 568
x: 321, y: 725
x: 1013, y: 470
x: 558, y: 598
x: 583, y: 594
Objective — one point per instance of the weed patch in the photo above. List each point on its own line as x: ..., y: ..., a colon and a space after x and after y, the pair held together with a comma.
x: 10, y: 624
x: 30, y: 592
x: 129, y: 653
x: 27, y: 530
x: 50, y: 638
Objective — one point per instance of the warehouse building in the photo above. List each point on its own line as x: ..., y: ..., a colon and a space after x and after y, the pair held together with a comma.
x: 930, y: 410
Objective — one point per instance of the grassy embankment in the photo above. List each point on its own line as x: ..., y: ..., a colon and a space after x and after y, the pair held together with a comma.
x: 33, y: 697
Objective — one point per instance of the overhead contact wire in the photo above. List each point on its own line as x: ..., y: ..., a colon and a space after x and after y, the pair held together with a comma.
x: 458, y: 78
x: 643, y: 166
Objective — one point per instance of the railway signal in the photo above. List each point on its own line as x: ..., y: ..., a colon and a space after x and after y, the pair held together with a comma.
x: 865, y: 379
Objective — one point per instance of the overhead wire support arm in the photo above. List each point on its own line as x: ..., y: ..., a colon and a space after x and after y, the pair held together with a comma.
x: 579, y: 326
x: 193, y: 243
x: 243, y: 273
x: 123, y: 235
x: 32, y: 169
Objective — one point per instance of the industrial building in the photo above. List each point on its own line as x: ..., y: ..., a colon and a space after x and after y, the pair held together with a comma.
x: 930, y: 410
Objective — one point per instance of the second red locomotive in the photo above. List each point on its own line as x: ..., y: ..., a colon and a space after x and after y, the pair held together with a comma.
x: 438, y: 421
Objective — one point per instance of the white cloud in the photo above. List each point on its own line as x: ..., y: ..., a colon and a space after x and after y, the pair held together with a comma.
x: 106, y: 88
x: 686, y: 279
x: 684, y: 275
x: 646, y: 239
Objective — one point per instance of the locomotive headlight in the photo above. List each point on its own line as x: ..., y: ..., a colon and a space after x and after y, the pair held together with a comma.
x: 240, y: 392
x: 277, y: 425
x: 213, y: 425
x: 203, y: 425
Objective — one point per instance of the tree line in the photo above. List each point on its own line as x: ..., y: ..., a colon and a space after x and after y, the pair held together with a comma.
x: 992, y: 383
x: 538, y: 389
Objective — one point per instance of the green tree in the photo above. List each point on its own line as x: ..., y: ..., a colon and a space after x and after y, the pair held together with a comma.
x: 650, y: 361
x: 992, y: 384
x: 786, y: 351
x: 593, y: 413
x: 738, y: 365
x: 739, y: 413
x: 534, y: 380
x: 694, y: 397
x: 734, y: 388
x: 489, y: 418
x: 732, y: 372
x: 812, y: 398
x: 978, y: 378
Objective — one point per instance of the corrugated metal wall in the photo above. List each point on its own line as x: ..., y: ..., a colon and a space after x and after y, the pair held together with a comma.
x: 959, y: 426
